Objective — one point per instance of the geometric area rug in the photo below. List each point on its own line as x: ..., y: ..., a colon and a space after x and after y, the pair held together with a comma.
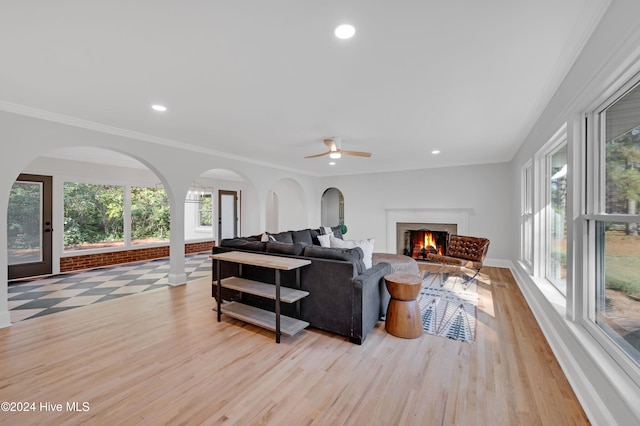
x: 448, y: 306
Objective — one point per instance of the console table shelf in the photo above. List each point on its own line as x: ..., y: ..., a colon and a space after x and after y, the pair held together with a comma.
x: 265, y: 319
x: 287, y: 295
x: 270, y: 320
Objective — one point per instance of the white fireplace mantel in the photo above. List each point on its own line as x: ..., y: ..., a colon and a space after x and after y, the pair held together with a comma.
x: 460, y: 217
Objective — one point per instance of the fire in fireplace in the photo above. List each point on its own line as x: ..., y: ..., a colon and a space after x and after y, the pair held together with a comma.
x: 419, y: 243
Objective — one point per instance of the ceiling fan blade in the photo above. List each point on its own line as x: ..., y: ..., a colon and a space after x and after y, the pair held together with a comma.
x: 357, y: 153
x: 318, y: 155
x: 331, y: 144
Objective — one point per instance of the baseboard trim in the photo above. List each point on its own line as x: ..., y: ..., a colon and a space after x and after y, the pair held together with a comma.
x: 5, y: 319
x: 177, y: 279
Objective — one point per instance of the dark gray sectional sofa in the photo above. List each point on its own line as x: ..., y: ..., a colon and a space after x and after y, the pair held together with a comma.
x: 344, y: 297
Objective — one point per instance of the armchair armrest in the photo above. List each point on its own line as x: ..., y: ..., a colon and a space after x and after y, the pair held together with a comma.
x: 372, y: 300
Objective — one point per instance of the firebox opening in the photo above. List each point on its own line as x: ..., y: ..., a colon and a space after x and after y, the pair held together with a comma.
x: 419, y: 243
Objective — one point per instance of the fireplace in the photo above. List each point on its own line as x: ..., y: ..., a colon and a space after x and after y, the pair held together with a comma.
x: 419, y: 239
x: 453, y: 221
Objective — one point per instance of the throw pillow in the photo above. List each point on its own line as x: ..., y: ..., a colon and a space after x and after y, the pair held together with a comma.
x: 302, y: 236
x: 366, y: 245
x: 328, y: 230
x: 283, y: 237
x: 325, y: 240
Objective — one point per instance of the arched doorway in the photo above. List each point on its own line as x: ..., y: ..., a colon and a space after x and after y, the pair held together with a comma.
x: 332, y: 207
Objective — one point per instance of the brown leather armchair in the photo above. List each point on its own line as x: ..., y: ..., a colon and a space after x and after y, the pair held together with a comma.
x: 463, y: 251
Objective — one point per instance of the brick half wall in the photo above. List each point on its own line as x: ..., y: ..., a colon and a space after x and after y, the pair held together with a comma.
x: 97, y: 260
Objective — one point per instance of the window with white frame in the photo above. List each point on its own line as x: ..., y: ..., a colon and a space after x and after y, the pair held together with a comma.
x: 526, y: 217
x: 205, y: 210
x: 551, y: 171
x: 612, y: 220
x: 556, y: 214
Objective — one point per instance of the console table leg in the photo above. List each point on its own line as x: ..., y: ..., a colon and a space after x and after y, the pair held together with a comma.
x: 219, y: 292
x: 277, y: 306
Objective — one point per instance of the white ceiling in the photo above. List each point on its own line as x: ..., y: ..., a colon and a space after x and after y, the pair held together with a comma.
x: 267, y: 80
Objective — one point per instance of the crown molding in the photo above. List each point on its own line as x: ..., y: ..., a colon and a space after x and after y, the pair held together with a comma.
x: 117, y: 131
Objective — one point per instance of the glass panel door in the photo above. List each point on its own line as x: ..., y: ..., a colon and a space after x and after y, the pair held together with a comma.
x: 227, y: 214
x: 29, y: 227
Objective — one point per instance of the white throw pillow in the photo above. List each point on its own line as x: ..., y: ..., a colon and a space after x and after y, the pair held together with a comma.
x: 324, y: 240
x: 366, y: 246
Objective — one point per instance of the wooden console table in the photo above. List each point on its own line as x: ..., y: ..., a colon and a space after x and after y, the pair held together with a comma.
x: 273, y: 321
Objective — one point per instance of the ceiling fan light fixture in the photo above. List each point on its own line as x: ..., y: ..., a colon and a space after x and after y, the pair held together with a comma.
x: 335, y: 155
x: 344, y: 31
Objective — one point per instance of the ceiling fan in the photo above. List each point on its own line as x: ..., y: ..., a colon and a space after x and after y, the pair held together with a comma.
x: 335, y: 151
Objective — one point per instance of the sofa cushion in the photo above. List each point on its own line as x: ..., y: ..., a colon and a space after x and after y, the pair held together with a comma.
x: 284, y: 237
x: 296, y: 249
x: 314, y: 236
x: 302, y: 236
x: 354, y: 255
x: 243, y: 244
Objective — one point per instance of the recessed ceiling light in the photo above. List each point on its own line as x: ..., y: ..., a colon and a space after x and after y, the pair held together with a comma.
x: 333, y: 163
x: 435, y: 151
x: 345, y: 31
x: 160, y: 108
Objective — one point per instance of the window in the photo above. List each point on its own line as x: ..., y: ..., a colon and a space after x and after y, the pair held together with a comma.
x: 93, y: 216
x: 556, y: 244
x: 97, y: 216
x: 551, y: 210
x: 150, y: 215
x: 613, y: 222
x: 205, y: 210
x: 526, y: 217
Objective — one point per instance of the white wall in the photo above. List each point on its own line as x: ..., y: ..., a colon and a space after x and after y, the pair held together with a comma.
x: 484, y: 189
x: 608, y: 389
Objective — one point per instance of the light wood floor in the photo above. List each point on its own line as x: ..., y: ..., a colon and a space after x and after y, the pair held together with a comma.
x: 161, y: 358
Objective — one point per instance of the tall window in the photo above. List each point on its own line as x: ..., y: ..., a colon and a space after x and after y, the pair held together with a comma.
x: 613, y: 222
x: 551, y: 202
x: 205, y: 210
x: 150, y: 215
x: 556, y: 270
x: 526, y: 217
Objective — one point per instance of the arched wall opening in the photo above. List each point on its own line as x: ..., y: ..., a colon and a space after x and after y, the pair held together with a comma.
x: 286, y: 206
x: 272, y: 212
x: 209, y: 206
x: 117, y: 208
x: 332, y: 207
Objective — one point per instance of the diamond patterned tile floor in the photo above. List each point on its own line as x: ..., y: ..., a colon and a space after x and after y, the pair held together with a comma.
x: 44, y: 296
